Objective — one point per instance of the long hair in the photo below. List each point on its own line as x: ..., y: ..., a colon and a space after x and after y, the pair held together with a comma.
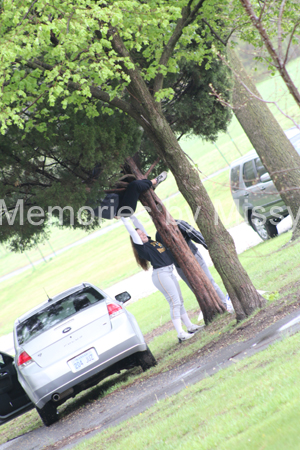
x: 141, y: 261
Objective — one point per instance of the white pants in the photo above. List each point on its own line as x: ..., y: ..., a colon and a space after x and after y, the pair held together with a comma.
x: 166, y: 282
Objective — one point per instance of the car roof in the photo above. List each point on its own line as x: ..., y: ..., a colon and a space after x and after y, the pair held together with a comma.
x: 54, y: 299
x: 243, y: 158
x: 290, y: 133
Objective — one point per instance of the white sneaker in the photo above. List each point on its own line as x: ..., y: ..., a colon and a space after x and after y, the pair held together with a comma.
x: 183, y: 336
x: 194, y: 329
x: 160, y: 178
x: 229, y: 305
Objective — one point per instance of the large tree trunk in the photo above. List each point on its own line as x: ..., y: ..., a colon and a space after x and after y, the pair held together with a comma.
x: 267, y: 137
x: 243, y: 294
x: 209, y: 302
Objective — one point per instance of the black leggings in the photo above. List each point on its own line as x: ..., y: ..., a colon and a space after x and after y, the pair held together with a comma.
x: 129, y: 197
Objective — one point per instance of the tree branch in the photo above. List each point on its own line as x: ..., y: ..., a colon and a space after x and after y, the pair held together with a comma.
x: 250, y: 92
x: 272, y: 52
x: 279, y: 28
x: 262, y: 11
x: 26, y: 15
x: 214, y: 33
x: 290, y: 41
x: 187, y: 17
x: 151, y: 167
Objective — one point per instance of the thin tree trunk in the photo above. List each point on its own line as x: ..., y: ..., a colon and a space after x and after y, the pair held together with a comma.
x: 267, y: 137
x: 208, y: 300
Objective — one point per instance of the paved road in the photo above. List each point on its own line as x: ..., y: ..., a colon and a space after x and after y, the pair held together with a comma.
x: 121, y: 405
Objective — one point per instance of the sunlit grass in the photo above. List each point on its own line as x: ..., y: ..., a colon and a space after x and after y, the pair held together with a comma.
x: 152, y: 312
x: 251, y: 405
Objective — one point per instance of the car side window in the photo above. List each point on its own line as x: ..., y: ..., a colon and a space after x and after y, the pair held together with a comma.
x: 249, y: 174
x: 235, y: 178
x: 261, y: 170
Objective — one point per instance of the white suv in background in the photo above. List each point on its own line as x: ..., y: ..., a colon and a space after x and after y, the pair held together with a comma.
x: 254, y: 193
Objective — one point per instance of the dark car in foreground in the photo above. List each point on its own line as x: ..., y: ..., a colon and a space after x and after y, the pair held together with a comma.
x: 71, y: 342
x: 13, y: 399
x: 255, y: 194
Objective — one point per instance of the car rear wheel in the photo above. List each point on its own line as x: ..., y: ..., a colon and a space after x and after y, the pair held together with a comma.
x: 146, y: 359
x: 48, y: 414
x: 265, y: 230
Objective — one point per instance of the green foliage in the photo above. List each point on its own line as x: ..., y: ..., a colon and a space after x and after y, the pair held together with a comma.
x: 272, y: 296
x: 59, y: 51
x: 278, y: 20
x: 193, y: 110
x: 65, y: 69
x: 69, y: 164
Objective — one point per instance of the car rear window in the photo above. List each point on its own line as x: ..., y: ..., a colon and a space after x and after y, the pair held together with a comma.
x: 235, y: 178
x: 55, y: 313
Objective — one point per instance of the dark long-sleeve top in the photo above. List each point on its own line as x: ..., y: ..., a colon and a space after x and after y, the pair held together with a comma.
x: 189, y: 234
x: 152, y: 251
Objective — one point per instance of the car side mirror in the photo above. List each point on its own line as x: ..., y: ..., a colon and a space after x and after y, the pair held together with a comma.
x: 265, y: 177
x: 123, y: 297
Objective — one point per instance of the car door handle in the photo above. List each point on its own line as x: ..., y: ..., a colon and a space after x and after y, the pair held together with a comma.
x: 262, y: 188
x: 3, y: 374
x: 246, y: 194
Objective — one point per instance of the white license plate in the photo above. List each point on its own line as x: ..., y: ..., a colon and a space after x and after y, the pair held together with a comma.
x: 85, y: 359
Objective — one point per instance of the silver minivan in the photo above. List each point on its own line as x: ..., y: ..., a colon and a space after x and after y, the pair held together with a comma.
x: 254, y: 193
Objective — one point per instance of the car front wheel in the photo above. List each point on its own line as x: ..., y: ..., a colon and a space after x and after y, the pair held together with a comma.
x: 48, y: 414
x: 265, y: 230
x: 146, y: 359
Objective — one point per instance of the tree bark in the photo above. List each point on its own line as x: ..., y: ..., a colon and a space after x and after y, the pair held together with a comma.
x: 267, y: 137
x: 244, y: 296
x: 208, y: 300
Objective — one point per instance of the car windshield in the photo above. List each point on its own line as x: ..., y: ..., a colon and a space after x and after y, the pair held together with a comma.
x: 55, y: 313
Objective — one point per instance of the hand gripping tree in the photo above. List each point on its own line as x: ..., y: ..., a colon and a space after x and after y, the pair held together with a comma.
x: 72, y: 53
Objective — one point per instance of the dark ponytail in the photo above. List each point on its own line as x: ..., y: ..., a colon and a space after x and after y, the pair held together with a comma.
x: 141, y: 261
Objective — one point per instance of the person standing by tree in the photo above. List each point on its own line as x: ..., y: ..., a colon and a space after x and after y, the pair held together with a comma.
x: 146, y: 250
x: 190, y: 234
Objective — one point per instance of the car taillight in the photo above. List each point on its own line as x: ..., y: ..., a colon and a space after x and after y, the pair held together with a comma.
x: 23, y: 358
x: 114, y: 310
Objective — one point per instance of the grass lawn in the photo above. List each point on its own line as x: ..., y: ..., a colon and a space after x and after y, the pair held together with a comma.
x: 251, y: 405
x: 273, y: 268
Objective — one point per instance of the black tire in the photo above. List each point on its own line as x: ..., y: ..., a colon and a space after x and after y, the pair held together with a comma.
x: 146, y: 359
x: 48, y: 414
x: 265, y: 230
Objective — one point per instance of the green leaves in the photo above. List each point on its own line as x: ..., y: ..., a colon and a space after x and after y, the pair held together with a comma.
x: 73, y: 43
